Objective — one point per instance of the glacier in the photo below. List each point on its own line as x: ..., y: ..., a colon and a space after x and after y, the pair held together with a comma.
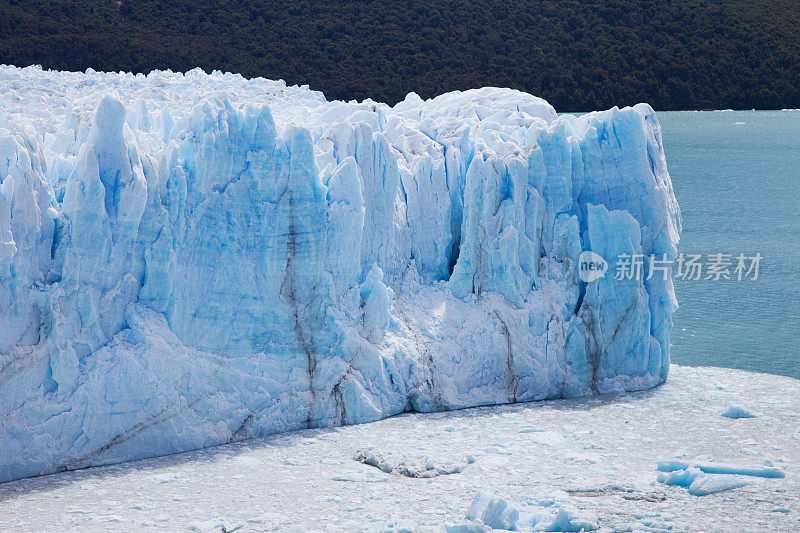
x: 193, y: 259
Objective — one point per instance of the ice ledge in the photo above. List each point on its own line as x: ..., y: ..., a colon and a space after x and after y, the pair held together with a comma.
x: 188, y: 260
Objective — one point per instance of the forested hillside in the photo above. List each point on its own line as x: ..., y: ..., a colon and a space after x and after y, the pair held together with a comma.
x: 578, y: 54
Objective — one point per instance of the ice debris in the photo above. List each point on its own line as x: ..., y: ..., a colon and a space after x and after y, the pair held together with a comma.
x: 701, y: 484
x: 737, y: 411
x: 767, y: 471
x: 425, y: 467
x: 703, y: 479
x: 490, y: 511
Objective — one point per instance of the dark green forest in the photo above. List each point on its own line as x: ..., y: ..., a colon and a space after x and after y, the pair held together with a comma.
x: 578, y: 54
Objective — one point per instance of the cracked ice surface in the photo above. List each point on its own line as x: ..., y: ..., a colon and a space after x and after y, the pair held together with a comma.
x: 189, y: 260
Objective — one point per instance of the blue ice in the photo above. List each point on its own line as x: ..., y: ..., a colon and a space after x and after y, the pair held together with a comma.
x: 192, y: 259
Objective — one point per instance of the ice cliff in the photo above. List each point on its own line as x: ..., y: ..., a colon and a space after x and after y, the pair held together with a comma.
x: 192, y: 259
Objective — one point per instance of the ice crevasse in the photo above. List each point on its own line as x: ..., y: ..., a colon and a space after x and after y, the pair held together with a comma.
x: 192, y: 259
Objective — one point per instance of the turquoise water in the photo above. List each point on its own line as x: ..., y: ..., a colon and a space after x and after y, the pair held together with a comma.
x: 737, y: 179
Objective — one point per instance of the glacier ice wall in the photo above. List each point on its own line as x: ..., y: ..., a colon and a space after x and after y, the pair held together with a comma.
x: 192, y: 259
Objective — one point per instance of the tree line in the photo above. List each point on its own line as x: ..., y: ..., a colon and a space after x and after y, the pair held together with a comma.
x: 577, y: 54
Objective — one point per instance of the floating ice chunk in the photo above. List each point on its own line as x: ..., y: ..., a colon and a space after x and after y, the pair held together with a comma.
x: 493, y: 511
x: 710, y: 478
x: 681, y: 478
x: 568, y: 518
x: 553, y: 511
x: 701, y: 484
x: 714, y: 468
x: 705, y: 484
x: 737, y: 411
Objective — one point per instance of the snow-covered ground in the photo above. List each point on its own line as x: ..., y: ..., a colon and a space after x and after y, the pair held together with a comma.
x: 588, y: 462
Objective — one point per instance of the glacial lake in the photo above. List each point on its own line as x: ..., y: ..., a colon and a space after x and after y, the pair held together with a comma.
x: 736, y: 175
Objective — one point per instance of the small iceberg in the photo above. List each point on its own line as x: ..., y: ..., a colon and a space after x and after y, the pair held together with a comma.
x: 737, y: 411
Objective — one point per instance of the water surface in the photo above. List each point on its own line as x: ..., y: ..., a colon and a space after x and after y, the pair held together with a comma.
x: 737, y: 179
